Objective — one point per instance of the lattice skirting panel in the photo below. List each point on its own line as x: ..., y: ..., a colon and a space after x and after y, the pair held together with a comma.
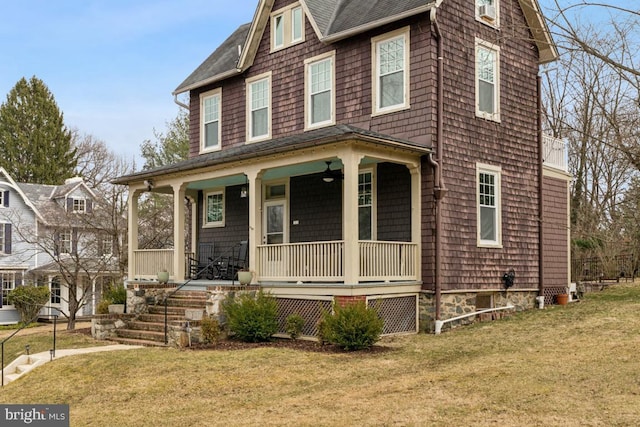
x: 398, y: 312
x: 309, y: 309
x: 551, y: 292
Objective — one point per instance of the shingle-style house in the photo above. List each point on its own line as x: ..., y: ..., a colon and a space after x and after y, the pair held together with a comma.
x: 385, y: 151
x: 47, y: 231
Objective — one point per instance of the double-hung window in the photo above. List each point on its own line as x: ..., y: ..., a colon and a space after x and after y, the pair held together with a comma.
x: 65, y: 242
x: 79, y: 205
x: 287, y: 27
x: 390, y: 54
x: 365, y: 205
x: 8, y: 284
x: 210, y: 107
x: 214, y: 209
x: 489, y: 206
x: 487, y: 80
x: 56, y: 290
x: 259, y: 107
x: 320, y: 90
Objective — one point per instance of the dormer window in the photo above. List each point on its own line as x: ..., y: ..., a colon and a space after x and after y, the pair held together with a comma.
x: 287, y: 27
x: 79, y: 205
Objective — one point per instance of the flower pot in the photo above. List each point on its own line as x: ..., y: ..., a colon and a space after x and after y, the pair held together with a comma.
x: 116, y: 308
x: 562, y: 299
x: 244, y: 277
x: 163, y: 277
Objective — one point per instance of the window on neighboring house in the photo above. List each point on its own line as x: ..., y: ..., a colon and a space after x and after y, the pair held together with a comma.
x: 56, y: 290
x: 365, y: 205
x: 487, y: 81
x: 64, y: 244
x: 391, y: 71
x: 287, y: 27
x: 106, y: 248
x: 8, y: 284
x: 214, y: 209
x: 259, y: 106
x: 489, y: 206
x: 210, y: 104
x: 4, y: 199
x: 319, y: 86
x: 79, y: 205
x: 487, y: 11
x: 5, y: 238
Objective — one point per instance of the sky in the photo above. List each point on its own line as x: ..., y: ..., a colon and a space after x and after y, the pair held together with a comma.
x: 112, y: 65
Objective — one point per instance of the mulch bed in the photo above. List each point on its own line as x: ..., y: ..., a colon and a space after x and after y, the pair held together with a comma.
x: 301, y: 345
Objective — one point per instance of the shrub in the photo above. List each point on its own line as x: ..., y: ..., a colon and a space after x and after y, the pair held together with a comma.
x: 28, y: 300
x: 352, y: 327
x: 294, y: 325
x: 252, y: 319
x: 210, y: 330
x: 103, y: 306
x: 116, y: 294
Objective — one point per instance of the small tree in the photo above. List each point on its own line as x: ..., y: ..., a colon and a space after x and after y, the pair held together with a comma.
x: 28, y: 300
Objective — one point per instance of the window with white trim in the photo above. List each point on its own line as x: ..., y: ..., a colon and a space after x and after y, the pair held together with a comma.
x: 2, y: 238
x: 487, y: 80
x: 365, y: 205
x: 488, y: 12
x: 320, y: 90
x: 489, y: 218
x: 79, y: 205
x: 107, y: 245
x: 1, y: 198
x: 210, y: 107
x: 8, y: 284
x: 65, y: 242
x: 56, y: 290
x: 287, y: 27
x: 214, y: 209
x: 259, y: 107
x: 390, y: 54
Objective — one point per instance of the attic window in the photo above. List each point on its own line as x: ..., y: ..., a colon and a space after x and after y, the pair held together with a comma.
x: 487, y: 12
x: 79, y: 205
x: 287, y: 27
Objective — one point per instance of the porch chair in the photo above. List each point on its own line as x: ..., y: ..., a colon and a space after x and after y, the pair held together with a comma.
x: 228, y: 267
x: 196, y: 265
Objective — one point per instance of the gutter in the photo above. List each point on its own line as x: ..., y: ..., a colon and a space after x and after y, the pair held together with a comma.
x: 181, y: 104
x: 439, y: 189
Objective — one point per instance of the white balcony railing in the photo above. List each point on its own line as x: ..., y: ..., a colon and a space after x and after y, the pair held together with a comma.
x: 554, y: 152
x: 388, y: 261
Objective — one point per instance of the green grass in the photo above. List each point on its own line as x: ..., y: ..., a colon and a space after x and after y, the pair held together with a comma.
x: 562, y: 366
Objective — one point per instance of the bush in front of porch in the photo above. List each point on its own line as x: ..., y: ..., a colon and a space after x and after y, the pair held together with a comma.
x: 252, y: 317
x: 352, y: 327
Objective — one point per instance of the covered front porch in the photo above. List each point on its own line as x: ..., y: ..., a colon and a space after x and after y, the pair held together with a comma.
x: 343, y: 211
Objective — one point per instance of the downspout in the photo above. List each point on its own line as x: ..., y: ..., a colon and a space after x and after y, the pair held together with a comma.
x: 181, y: 104
x: 540, y: 190
x: 439, y: 189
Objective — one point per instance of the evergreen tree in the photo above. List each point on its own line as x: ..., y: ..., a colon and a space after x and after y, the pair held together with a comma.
x: 35, y: 145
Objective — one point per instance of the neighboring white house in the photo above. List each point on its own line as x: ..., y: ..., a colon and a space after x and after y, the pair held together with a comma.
x: 48, y: 232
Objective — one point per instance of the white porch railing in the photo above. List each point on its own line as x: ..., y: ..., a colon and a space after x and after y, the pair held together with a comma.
x: 148, y: 262
x: 388, y: 261
x: 555, y: 152
x: 324, y: 261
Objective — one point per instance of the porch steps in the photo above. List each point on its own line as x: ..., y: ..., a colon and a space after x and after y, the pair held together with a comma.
x: 148, y: 329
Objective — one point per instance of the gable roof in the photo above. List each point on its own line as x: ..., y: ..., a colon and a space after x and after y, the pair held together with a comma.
x: 334, y: 20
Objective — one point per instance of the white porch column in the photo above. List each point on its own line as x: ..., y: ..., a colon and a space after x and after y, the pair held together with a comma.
x: 255, y: 217
x: 416, y: 213
x: 179, y: 192
x: 350, y: 161
x: 132, y: 236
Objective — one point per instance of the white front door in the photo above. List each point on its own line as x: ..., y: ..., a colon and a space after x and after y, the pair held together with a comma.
x: 274, y: 222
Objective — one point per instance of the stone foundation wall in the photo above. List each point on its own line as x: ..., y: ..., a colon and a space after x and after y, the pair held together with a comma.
x: 457, y: 304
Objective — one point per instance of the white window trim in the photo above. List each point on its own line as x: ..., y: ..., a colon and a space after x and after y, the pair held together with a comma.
x: 62, y: 249
x: 287, y: 27
x: 307, y: 90
x: 249, y: 82
x: 2, y: 238
x: 1, y: 198
x: 374, y: 198
x: 497, y: 171
x: 496, y: 22
x: 83, y: 205
x: 375, y: 42
x: 204, y: 96
x: 5, y: 302
x: 213, y: 224
x: 495, y: 116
